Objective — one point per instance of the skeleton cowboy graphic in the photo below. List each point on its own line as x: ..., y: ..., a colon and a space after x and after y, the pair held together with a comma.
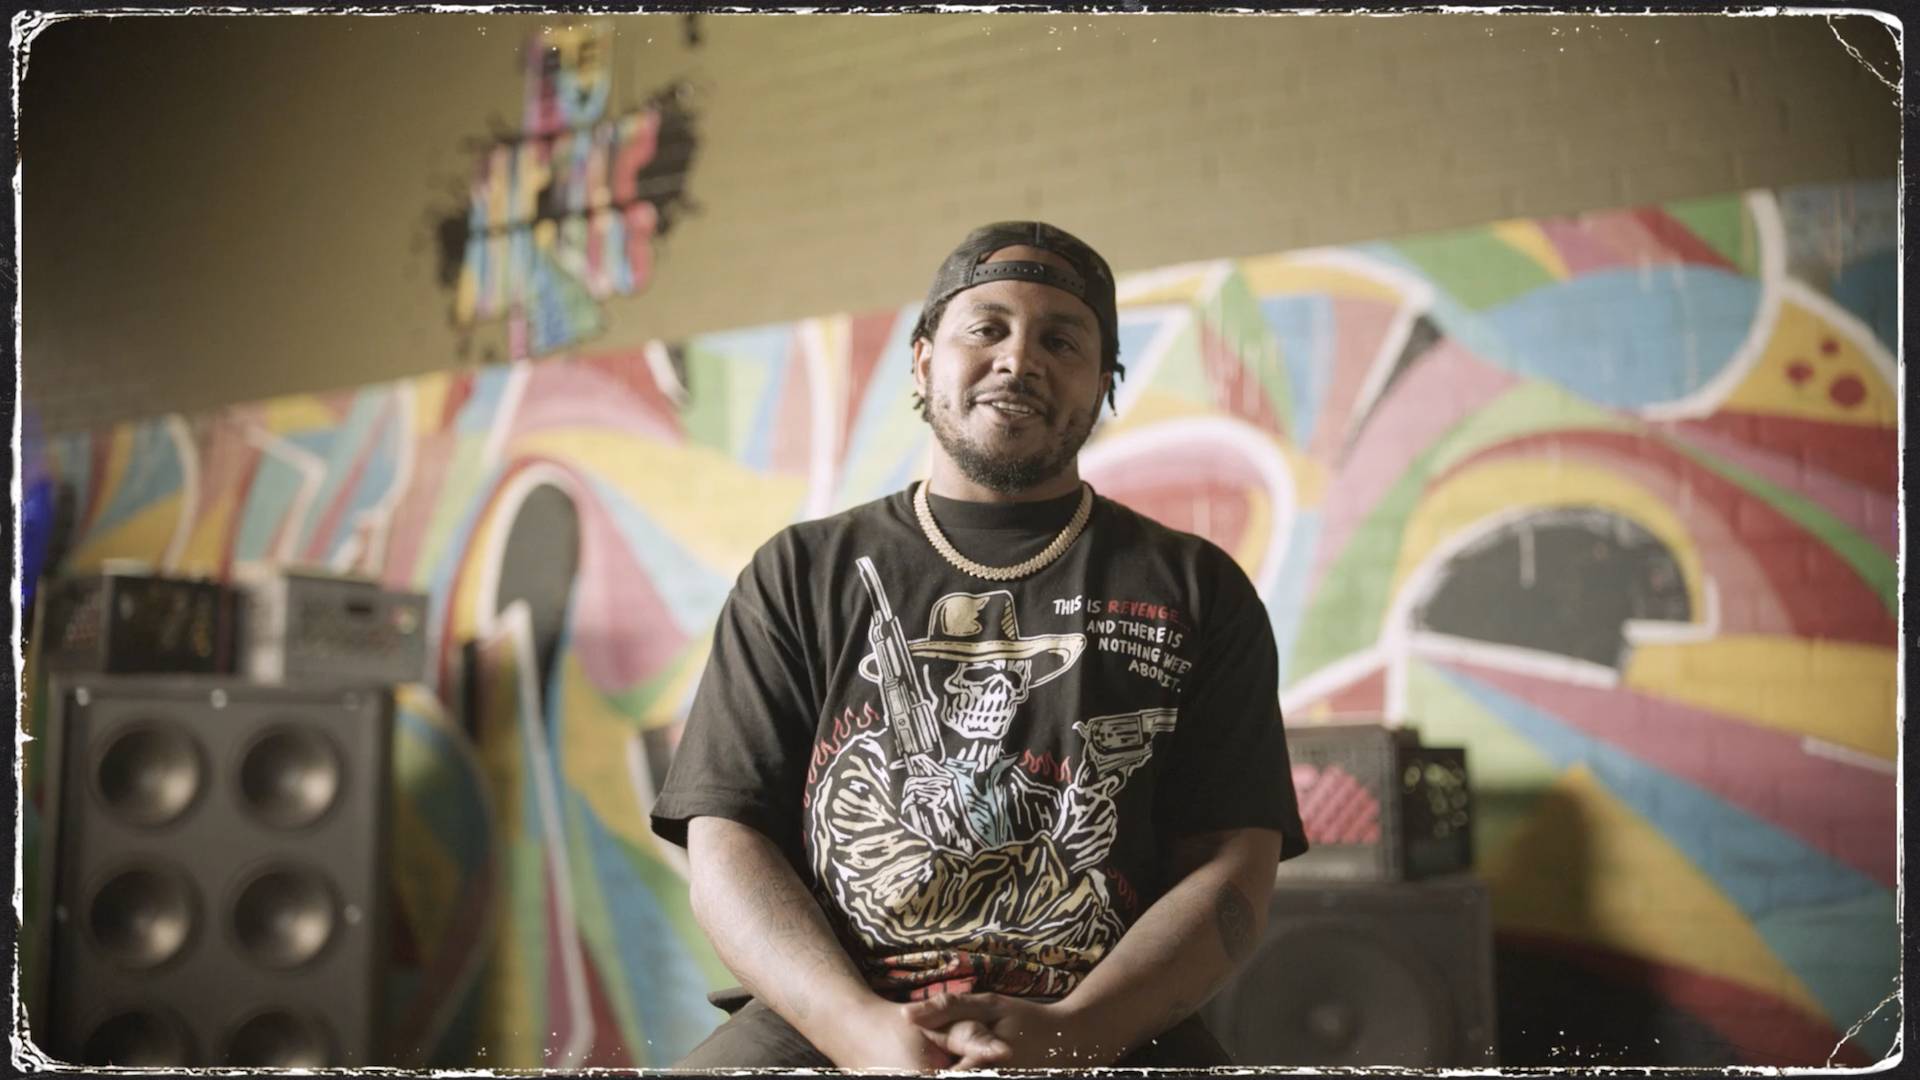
x: 979, y: 669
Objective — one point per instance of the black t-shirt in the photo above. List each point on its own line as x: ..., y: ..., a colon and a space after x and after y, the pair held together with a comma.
x: 981, y: 789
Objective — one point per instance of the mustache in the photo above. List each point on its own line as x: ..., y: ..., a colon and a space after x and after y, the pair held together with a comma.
x: 1014, y: 393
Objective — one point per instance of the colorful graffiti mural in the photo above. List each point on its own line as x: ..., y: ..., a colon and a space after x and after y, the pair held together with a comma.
x: 562, y: 214
x: 1608, y: 499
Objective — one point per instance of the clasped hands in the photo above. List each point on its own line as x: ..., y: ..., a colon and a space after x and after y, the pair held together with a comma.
x: 985, y: 1031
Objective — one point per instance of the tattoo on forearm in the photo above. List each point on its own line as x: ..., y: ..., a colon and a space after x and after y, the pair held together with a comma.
x: 794, y: 928
x: 1233, y: 917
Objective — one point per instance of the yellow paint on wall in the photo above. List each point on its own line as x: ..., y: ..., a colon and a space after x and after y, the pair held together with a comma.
x: 297, y: 412
x: 717, y: 509
x: 836, y: 363
x: 462, y: 616
x: 1180, y: 290
x: 466, y: 294
x: 1499, y: 486
x: 1586, y: 867
x: 593, y: 755
x: 1290, y: 274
x: 1153, y: 407
x: 687, y: 670
x: 1258, y: 532
x: 429, y: 401
x: 1527, y: 238
x: 1310, y: 477
x: 145, y: 535
x: 424, y: 876
x: 509, y: 1009
x: 1811, y: 369
x: 211, y: 528
x: 113, y: 471
x: 1838, y: 691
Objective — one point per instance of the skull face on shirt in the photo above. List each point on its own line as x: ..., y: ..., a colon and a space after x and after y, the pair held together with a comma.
x: 982, y: 695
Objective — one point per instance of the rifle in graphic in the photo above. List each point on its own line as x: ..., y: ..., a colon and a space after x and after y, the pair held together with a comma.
x: 905, y: 703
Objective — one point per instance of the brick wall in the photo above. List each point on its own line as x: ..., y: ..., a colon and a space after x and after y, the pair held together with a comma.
x: 223, y: 209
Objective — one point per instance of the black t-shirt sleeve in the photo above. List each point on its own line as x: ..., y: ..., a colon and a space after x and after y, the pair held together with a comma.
x: 743, y: 751
x: 1230, y: 767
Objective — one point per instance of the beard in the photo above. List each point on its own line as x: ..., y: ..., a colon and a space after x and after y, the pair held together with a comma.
x: 1005, y: 473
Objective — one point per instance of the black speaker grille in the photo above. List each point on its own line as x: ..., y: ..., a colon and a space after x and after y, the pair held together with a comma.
x: 218, y: 873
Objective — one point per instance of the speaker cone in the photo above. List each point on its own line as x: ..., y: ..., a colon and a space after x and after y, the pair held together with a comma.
x: 284, y: 916
x: 1328, y: 992
x: 149, y: 774
x: 141, y: 1038
x: 142, y: 916
x: 290, y: 776
x: 279, y: 1039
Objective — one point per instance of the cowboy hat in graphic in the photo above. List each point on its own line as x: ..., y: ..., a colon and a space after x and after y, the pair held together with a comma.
x: 980, y: 627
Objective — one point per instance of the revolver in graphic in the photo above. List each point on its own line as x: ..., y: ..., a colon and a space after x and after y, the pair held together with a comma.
x: 1118, y: 744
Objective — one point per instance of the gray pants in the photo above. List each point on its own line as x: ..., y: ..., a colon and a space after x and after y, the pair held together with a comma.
x: 755, y: 1037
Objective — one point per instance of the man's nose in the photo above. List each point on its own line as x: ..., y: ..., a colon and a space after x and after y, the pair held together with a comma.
x: 1019, y: 357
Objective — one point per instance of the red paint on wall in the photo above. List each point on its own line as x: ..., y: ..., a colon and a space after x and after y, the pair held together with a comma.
x: 1868, y: 456
x: 1679, y: 239
x: 1842, y: 810
x: 867, y: 337
x: 1236, y: 389
x: 1845, y: 609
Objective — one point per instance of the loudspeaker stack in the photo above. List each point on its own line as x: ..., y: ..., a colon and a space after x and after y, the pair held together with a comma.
x: 214, y: 887
x: 219, y: 891
x: 1379, y: 944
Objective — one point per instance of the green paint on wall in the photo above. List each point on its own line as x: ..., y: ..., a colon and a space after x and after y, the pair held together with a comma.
x: 1506, y: 771
x: 1235, y: 315
x: 670, y: 892
x: 1476, y: 267
x: 596, y: 932
x: 462, y: 484
x: 1180, y: 372
x: 705, y: 413
x: 1722, y: 222
x: 1529, y: 408
x: 641, y: 703
x: 1343, y: 616
x: 521, y: 1039
x: 896, y: 436
x: 1874, y: 566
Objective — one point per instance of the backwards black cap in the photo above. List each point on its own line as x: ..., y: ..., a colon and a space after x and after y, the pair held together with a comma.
x: 1090, y: 279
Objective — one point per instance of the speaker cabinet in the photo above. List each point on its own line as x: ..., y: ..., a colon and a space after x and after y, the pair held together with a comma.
x: 1366, y: 974
x: 1377, y: 805
x: 218, y: 880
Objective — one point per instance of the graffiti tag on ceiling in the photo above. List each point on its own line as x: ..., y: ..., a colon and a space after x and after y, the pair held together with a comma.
x: 561, y: 215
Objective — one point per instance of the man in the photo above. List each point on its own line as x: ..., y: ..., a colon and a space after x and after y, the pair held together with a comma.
x: 1042, y: 831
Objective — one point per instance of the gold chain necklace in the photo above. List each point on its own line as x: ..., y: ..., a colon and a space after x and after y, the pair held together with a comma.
x: 1001, y: 573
